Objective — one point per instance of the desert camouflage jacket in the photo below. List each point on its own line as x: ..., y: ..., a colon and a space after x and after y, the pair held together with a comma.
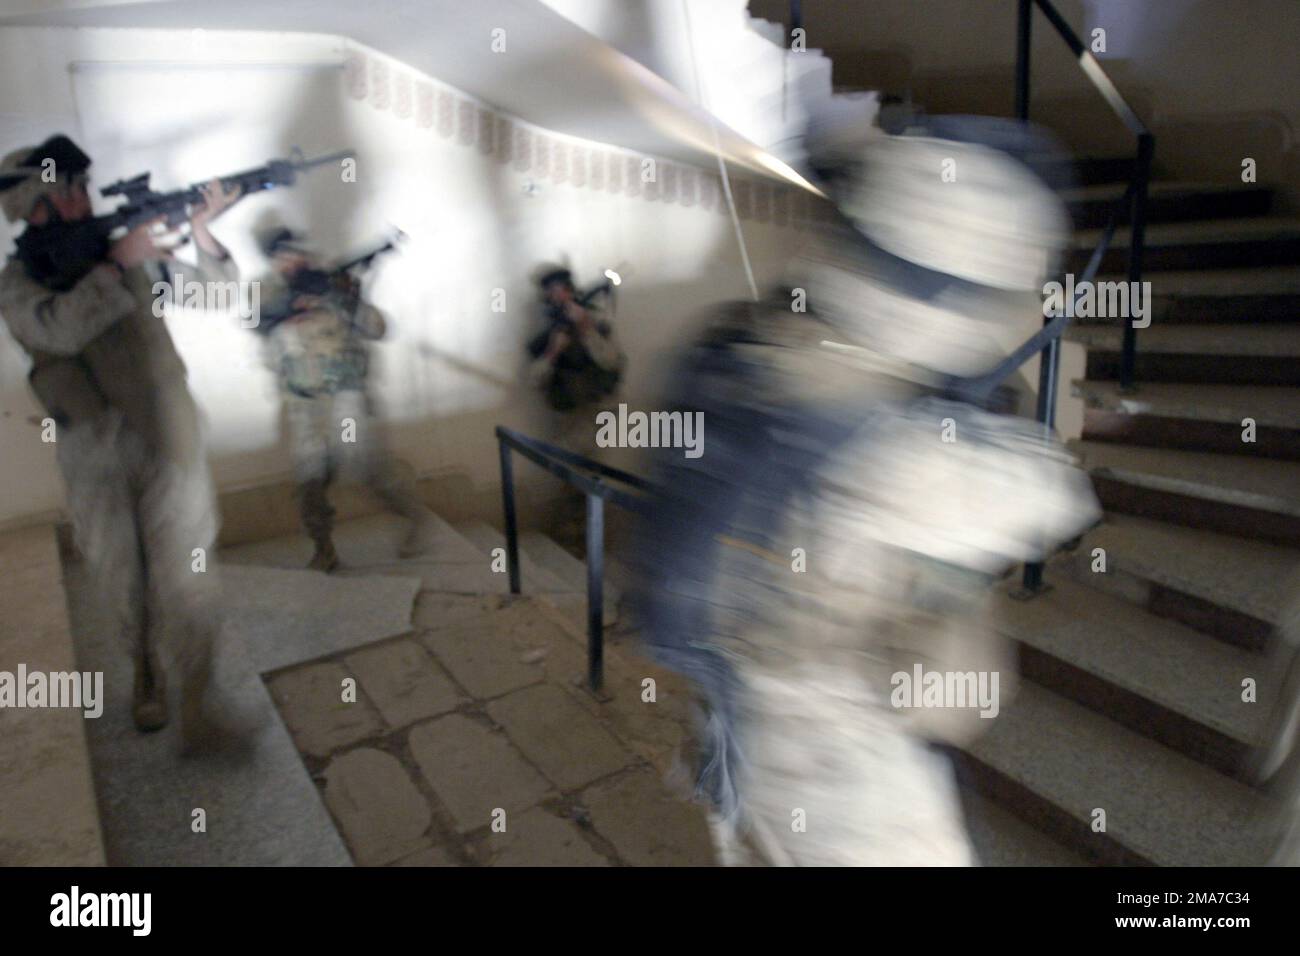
x: 102, y: 344
x: 828, y: 524
x: 323, y: 350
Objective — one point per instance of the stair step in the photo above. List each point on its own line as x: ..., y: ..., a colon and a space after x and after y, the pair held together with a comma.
x: 1054, y: 762
x: 1208, y: 354
x: 542, y: 571
x: 1210, y: 244
x: 1259, y: 483
x: 1242, y: 576
x: 369, y: 541
x: 50, y: 816
x: 369, y: 546
x: 1084, y: 170
x: 1280, y: 339
x: 1145, y: 501
x: 1091, y: 206
x: 1218, y: 296
x: 1166, y: 187
x: 565, y: 566
x: 1222, y: 438
x: 535, y: 576
x: 1241, y: 229
x: 1155, y: 676
x: 1223, y: 283
x: 1001, y: 838
x: 1268, y: 405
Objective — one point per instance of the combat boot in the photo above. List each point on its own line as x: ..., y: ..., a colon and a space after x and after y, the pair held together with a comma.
x: 318, y: 519
x: 213, y: 720
x: 419, y: 537
x: 149, y: 695
x: 401, y: 499
x: 326, y: 559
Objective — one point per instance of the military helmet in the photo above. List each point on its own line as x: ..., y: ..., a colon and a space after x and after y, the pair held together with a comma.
x: 948, y: 234
x: 556, y: 275
x: 23, y: 173
x: 957, y: 195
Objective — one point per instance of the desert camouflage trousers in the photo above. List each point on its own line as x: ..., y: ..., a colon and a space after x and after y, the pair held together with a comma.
x: 830, y: 777
x: 335, y: 436
x: 145, y: 524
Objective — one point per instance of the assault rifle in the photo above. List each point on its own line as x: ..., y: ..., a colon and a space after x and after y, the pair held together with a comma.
x: 336, y: 280
x: 557, y: 319
x: 612, y: 279
x: 60, y: 254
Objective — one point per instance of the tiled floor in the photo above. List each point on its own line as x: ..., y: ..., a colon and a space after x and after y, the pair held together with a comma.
x: 473, y: 741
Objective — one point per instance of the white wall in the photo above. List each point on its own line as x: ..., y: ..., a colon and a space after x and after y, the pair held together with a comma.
x: 187, y: 105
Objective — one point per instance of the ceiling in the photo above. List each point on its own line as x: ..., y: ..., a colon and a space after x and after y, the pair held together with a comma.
x: 552, y: 73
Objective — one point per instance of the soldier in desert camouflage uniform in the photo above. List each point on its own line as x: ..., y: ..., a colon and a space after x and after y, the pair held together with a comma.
x: 829, y: 539
x: 129, y: 438
x: 319, y: 349
x: 576, y: 362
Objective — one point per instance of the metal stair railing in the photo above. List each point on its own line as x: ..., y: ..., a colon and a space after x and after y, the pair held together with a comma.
x: 1133, y: 204
x: 588, y: 477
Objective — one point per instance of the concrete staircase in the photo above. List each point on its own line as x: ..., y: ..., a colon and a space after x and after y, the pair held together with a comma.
x: 1132, y: 700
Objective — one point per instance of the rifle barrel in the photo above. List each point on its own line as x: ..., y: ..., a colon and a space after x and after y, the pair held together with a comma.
x: 322, y: 160
x: 586, y: 298
x: 365, y: 257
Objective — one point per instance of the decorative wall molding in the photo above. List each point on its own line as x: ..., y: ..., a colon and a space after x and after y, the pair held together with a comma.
x: 402, y: 96
x: 379, y: 97
x: 389, y: 86
x: 424, y: 100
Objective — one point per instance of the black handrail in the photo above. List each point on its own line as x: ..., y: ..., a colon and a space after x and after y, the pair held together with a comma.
x: 1134, y: 202
x: 585, y: 475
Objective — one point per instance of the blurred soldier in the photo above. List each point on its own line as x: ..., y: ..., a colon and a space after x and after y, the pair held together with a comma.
x: 319, y: 349
x: 128, y: 434
x: 577, y: 361
x: 833, y: 546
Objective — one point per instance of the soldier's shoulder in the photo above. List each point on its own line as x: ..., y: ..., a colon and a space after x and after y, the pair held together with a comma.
x: 12, y: 269
x: 13, y: 277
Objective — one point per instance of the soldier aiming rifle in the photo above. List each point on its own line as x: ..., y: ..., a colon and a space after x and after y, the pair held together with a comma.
x: 577, y: 360
x: 77, y: 296
x: 318, y: 328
